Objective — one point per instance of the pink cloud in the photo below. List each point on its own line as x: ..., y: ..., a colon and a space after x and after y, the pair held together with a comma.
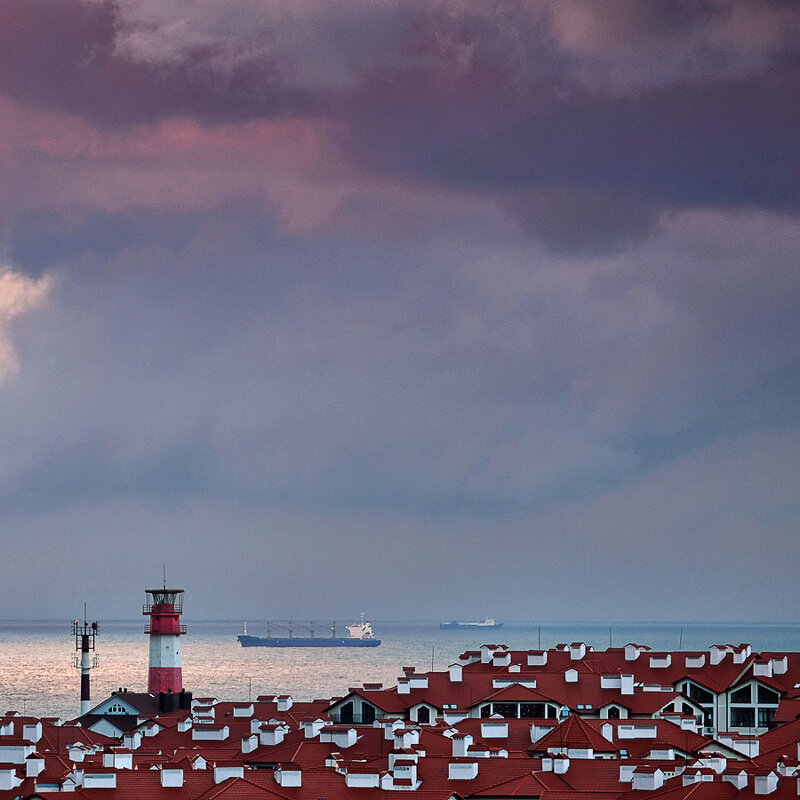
x: 54, y: 162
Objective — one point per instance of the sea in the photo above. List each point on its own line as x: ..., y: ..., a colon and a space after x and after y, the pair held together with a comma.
x: 38, y: 675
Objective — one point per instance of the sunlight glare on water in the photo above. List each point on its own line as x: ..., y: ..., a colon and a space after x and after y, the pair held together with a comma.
x: 37, y: 675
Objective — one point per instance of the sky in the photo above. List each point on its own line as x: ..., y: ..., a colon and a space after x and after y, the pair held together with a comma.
x: 422, y: 308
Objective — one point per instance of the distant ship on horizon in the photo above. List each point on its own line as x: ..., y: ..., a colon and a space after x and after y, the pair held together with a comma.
x: 360, y: 636
x: 487, y: 624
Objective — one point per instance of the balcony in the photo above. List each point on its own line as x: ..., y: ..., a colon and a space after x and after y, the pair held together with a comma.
x: 177, y: 630
x: 164, y: 608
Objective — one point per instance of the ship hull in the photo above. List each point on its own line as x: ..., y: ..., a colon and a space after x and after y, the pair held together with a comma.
x: 297, y: 641
x: 452, y: 626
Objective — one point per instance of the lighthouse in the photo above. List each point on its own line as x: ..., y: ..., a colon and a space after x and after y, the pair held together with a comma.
x: 164, y: 608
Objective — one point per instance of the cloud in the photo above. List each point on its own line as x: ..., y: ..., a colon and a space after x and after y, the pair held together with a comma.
x: 498, y: 281
x: 465, y: 372
x: 623, y: 46
x: 19, y: 294
x: 65, y: 56
x: 141, y: 103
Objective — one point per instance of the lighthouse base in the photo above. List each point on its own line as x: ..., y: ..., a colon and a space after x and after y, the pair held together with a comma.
x: 164, y: 679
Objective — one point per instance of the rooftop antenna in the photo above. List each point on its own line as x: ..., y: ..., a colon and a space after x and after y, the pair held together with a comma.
x: 164, y: 569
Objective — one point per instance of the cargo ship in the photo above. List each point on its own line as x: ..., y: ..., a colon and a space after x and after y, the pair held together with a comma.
x: 360, y: 635
x: 488, y: 624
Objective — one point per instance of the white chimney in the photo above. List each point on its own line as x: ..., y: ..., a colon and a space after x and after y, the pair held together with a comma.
x: 171, y: 776
x: 632, y: 652
x: 224, y: 771
x: 537, y: 658
x: 738, y: 779
x: 577, y: 651
x: 34, y: 764
x: 132, y: 740
x: 462, y: 770
x: 765, y: 784
x: 461, y: 743
x: 717, y: 654
x: 288, y: 774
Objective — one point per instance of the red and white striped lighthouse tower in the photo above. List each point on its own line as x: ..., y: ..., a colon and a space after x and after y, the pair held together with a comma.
x: 165, y: 631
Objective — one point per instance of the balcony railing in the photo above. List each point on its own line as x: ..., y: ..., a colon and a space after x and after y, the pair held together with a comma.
x: 353, y: 719
x: 178, y: 630
x: 167, y: 608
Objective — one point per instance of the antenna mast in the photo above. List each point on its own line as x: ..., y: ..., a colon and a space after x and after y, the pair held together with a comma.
x: 85, y: 634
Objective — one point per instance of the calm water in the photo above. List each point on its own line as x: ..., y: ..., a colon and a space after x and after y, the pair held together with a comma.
x: 37, y: 676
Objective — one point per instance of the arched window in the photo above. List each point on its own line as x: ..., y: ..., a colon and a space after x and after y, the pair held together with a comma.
x: 423, y: 715
x: 613, y: 712
x: 346, y: 712
x: 367, y: 714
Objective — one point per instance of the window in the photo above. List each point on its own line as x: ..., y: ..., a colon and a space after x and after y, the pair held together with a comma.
x: 423, y: 715
x: 698, y: 693
x: 532, y: 710
x: 743, y: 718
x: 367, y: 714
x: 508, y: 710
x: 486, y: 711
x: 765, y: 717
x: 743, y: 695
x: 613, y: 712
x: 767, y: 696
x: 346, y: 712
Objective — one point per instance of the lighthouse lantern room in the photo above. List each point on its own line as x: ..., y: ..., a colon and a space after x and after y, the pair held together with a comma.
x: 165, y: 630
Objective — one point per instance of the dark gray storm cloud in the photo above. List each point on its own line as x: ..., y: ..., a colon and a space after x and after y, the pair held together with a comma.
x: 65, y: 56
